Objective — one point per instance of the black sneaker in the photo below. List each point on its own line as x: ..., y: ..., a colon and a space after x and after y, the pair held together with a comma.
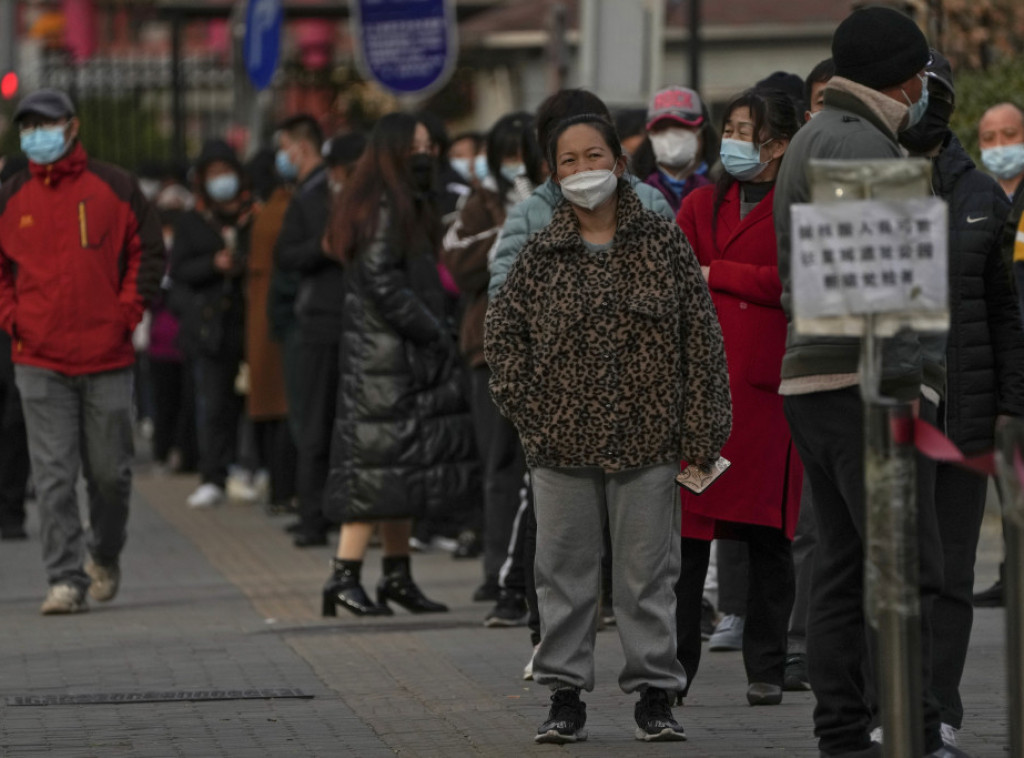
x: 708, y: 619
x: 990, y: 598
x: 566, y: 718
x: 796, y: 679
x: 510, y: 610
x: 654, y: 722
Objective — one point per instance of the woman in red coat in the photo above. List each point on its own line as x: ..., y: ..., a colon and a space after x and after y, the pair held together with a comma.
x: 731, y: 230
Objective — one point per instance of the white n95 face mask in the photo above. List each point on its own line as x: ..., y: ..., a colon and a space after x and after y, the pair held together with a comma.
x: 589, y: 189
x: 675, y: 148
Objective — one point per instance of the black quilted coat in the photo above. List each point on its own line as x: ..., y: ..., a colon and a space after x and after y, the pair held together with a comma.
x: 403, y: 442
x: 985, y: 350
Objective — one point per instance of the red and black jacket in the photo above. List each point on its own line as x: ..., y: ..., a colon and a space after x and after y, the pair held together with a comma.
x: 81, y: 254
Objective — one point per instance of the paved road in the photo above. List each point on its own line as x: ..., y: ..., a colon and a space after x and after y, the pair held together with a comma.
x: 219, y: 600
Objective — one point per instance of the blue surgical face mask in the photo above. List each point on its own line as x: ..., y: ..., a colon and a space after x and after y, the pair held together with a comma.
x: 916, y: 112
x: 480, y: 167
x: 1004, y: 161
x: 44, y: 144
x: 222, y: 188
x: 742, y: 159
x: 511, y: 170
x: 285, y: 168
x: 463, y: 167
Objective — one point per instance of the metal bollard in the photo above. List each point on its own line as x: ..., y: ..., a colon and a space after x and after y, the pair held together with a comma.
x: 891, y: 592
x: 1009, y: 460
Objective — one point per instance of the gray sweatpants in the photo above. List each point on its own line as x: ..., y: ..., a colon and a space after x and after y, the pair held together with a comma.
x: 643, y: 511
x: 79, y: 421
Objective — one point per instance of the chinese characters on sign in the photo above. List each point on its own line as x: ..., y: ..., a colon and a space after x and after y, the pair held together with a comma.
x: 407, y: 46
x: 869, y: 257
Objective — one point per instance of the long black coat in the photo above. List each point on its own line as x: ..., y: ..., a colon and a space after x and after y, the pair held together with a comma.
x: 211, y: 306
x: 403, y: 441
x: 985, y: 349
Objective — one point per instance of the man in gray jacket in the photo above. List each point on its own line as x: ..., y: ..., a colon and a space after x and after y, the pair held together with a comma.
x: 880, y: 57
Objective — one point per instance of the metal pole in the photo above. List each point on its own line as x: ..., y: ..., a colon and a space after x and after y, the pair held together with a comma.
x: 177, y: 92
x: 1009, y: 452
x: 695, y: 45
x: 8, y: 37
x: 891, y: 594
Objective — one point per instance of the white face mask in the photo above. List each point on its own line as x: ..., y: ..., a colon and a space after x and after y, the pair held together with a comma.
x: 589, y: 189
x: 675, y: 148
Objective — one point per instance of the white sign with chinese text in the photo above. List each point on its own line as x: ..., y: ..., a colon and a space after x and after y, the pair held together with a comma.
x: 885, y: 258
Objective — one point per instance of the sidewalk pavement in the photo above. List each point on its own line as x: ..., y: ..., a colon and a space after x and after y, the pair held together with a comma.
x: 218, y: 603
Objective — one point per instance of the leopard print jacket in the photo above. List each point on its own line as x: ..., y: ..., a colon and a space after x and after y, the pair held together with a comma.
x: 612, y: 359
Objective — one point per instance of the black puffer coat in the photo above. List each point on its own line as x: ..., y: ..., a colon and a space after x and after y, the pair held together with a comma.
x: 403, y: 442
x: 985, y: 349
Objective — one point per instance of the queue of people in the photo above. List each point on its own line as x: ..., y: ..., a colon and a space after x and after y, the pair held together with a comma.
x: 512, y: 344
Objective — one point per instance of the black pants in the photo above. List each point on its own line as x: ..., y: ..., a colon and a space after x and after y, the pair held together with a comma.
x: 503, y: 464
x: 960, y: 507
x: 768, y: 602
x: 174, y: 412
x: 516, y: 572
x: 14, y: 466
x: 219, y: 408
x: 733, y: 568
x: 318, y: 371
x: 828, y: 430
x: 277, y: 454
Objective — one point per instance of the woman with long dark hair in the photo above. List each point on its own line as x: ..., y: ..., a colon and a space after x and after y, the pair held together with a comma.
x: 403, y: 438
x: 732, y: 232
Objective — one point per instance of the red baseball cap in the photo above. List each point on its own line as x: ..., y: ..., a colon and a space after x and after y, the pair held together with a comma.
x: 679, y: 104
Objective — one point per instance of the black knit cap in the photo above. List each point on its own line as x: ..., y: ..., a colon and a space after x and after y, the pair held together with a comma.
x: 878, y: 47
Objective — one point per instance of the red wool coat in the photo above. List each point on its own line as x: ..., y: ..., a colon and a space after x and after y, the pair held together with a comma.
x: 763, y: 485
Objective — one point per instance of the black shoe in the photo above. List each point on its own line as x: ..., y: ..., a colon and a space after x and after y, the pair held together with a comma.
x: 10, y: 533
x: 510, y: 610
x: 566, y: 719
x: 310, y: 539
x: 397, y: 586
x: 343, y: 588
x: 468, y: 546
x: 990, y: 598
x: 708, y: 619
x: 653, y: 714
x: 762, y: 693
x: 796, y: 673
x: 488, y: 592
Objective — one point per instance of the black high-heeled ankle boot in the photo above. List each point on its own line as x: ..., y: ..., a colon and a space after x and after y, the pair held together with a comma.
x: 343, y: 588
x: 397, y: 586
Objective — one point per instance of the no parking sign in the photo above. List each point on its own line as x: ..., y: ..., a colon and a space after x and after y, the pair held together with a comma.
x: 407, y: 46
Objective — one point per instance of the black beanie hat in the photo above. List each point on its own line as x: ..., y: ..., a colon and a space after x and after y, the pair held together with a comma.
x: 878, y: 47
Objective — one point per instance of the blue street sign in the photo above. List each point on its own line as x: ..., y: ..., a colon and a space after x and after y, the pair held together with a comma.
x: 406, y: 46
x: 262, y: 44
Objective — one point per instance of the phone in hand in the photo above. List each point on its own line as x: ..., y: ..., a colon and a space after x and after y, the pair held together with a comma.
x: 697, y: 478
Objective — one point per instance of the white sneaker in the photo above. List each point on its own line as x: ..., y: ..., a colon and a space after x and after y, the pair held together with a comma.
x: 528, y: 668
x: 948, y: 733
x: 105, y: 581
x: 206, y: 496
x: 728, y: 634
x: 63, y: 598
x: 876, y: 735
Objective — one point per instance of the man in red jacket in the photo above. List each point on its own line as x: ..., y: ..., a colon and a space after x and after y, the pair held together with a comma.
x: 81, y: 252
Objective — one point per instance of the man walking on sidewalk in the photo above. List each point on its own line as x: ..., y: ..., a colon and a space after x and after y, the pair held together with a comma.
x: 81, y: 251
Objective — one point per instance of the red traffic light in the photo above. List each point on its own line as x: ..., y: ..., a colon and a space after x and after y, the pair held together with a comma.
x: 9, y: 85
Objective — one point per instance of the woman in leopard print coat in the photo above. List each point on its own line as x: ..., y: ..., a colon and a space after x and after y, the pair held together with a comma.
x: 607, y: 356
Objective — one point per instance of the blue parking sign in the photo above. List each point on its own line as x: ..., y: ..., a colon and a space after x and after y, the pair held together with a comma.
x: 262, y: 44
x: 407, y: 46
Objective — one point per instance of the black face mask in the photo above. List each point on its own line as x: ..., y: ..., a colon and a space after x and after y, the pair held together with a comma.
x: 931, y: 130
x: 421, y: 166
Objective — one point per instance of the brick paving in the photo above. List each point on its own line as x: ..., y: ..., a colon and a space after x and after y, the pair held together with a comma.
x: 220, y: 600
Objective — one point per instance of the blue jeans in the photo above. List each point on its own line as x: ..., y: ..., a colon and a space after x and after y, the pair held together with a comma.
x: 79, y: 422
